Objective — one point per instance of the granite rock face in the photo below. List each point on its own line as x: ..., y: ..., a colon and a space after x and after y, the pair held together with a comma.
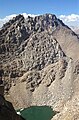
x: 40, y: 60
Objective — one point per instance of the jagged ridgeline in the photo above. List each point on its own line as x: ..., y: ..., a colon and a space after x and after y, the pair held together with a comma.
x: 39, y: 56
x: 28, y: 44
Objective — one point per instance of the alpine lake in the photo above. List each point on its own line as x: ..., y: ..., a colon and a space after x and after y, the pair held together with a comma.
x: 37, y: 113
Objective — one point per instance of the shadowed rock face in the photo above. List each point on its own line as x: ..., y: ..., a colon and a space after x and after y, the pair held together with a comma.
x: 7, y: 111
x: 40, y: 58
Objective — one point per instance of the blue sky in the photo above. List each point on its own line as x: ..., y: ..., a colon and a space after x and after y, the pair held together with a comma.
x: 58, y: 7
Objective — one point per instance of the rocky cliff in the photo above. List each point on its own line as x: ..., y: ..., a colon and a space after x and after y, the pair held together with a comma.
x: 40, y: 60
x: 7, y: 111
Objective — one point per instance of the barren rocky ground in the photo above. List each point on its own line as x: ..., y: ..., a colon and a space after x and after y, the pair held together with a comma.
x: 40, y: 59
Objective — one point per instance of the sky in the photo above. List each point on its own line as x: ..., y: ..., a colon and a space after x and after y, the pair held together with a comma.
x: 61, y: 8
x: 57, y: 7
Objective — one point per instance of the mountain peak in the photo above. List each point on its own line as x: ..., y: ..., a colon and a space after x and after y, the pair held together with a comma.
x: 50, y: 16
x: 39, y: 57
x: 17, y: 30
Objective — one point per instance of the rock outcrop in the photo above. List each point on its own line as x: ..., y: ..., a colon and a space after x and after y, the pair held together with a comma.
x: 7, y: 111
x: 40, y: 60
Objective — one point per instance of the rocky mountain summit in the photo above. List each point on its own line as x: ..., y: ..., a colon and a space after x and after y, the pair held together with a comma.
x: 27, y: 44
x: 40, y: 59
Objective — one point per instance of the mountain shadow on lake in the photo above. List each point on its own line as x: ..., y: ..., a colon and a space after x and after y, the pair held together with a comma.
x: 38, y: 113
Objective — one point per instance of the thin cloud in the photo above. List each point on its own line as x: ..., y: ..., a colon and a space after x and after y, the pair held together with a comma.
x: 69, y: 18
x: 6, y: 19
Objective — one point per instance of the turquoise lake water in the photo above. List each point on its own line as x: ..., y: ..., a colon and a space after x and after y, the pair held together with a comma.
x: 37, y: 113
